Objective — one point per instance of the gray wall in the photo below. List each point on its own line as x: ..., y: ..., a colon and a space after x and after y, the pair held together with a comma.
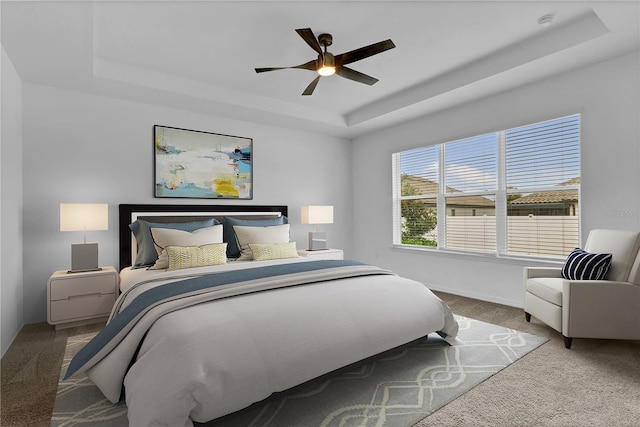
x: 11, y: 205
x: 607, y: 95
x: 87, y: 148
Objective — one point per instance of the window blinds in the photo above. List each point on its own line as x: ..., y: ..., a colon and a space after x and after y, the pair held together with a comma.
x: 471, y: 164
x: 544, y: 154
x: 514, y: 191
x: 420, y: 171
x: 543, y: 181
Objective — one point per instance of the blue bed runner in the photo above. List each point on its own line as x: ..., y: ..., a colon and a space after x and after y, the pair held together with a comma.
x: 171, y: 291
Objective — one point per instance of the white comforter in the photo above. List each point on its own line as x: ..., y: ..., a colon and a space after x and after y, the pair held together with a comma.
x: 208, y: 360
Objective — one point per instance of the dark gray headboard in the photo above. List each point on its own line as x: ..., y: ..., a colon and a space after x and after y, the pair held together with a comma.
x: 199, y: 212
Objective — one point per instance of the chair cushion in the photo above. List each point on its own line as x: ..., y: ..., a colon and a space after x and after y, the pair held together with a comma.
x: 582, y: 265
x: 622, y: 244
x: 546, y: 288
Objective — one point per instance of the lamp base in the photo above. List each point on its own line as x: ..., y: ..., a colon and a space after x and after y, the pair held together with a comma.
x: 317, y: 240
x: 84, y: 257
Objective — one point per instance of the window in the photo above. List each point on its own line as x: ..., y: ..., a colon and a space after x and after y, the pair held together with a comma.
x: 514, y: 192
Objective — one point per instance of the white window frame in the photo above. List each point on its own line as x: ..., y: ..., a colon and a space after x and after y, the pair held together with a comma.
x: 500, y: 193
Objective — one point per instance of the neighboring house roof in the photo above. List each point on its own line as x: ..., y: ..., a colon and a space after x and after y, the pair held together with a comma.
x: 551, y: 196
x: 547, y: 197
x: 427, y: 186
x: 572, y: 181
x: 422, y: 185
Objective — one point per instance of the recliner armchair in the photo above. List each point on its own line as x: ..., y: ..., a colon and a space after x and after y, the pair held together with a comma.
x: 607, y: 309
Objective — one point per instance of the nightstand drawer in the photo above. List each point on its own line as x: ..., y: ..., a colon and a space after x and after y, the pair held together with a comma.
x: 81, y: 298
x: 63, y: 288
x: 81, y: 306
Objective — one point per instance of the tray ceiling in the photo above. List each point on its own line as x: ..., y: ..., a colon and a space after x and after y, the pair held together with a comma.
x: 201, y: 55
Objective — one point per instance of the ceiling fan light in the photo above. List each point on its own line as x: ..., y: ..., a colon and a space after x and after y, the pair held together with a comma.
x: 327, y: 65
x: 325, y: 71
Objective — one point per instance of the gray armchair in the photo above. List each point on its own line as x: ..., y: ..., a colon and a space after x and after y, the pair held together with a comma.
x: 591, y: 308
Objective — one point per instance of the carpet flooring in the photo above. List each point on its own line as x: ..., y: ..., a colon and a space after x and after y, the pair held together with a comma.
x: 397, y: 389
x: 596, y: 383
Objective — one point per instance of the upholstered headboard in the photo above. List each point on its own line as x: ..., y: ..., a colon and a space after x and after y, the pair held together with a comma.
x: 182, y: 213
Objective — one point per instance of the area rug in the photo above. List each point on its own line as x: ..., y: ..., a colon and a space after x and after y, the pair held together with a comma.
x: 398, y: 389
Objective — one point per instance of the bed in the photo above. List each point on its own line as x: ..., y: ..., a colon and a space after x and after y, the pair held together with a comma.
x: 228, y: 314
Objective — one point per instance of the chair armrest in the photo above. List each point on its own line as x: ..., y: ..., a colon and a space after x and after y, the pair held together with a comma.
x: 601, y: 309
x: 533, y: 272
x: 605, y: 285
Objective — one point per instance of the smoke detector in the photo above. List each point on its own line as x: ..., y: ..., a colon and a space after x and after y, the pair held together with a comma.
x: 546, y: 20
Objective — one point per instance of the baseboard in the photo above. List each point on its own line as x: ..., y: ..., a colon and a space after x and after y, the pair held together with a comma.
x: 13, y: 338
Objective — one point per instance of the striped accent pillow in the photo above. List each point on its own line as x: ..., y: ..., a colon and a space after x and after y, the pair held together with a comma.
x: 582, y: 265
x: 264, y: 252
x: 191, y: 256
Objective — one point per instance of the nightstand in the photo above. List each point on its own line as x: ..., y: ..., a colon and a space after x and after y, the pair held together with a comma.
x: 81, y: 298
x: 322, y: 254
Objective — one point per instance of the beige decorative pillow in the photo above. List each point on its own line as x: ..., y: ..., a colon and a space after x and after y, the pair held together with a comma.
x: 264, y: 252
x: 163, y: 237
x: 265, y: 235
x: 190, y: 256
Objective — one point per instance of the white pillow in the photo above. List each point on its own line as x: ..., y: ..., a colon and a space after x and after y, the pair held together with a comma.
x: 266, y: 235
x: 163, y: 237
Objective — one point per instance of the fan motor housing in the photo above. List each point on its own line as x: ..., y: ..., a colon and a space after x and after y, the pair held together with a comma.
x: 325, y: 39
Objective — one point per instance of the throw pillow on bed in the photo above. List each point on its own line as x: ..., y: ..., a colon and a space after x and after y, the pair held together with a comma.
x: 190, y: 256
x: 164, y: 237
x: 264, y: 235
x: 582, y: 265
x: 146, y: 251
x: 264, y: 252
x: 233, y: 251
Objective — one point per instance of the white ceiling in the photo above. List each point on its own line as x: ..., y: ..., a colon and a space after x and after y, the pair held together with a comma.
x: 201, y: 55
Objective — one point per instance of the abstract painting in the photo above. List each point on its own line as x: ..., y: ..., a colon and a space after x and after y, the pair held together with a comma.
x: 205, y: 165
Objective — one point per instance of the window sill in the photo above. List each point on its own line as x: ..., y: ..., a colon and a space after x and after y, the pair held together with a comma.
x: 478, y: 256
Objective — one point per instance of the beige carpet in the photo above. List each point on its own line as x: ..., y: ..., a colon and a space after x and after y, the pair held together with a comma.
x: 30, y: 373
x: 548, y: 389
x: 596, y: 383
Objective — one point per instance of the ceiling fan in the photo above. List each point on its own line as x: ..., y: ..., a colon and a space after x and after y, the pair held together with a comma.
x: 327, y: 64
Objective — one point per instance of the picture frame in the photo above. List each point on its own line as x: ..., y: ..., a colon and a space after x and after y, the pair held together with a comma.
x: 202, y: 165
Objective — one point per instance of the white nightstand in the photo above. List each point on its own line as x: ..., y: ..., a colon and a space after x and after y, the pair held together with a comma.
x: 322, y: 254
x: 81, y: 298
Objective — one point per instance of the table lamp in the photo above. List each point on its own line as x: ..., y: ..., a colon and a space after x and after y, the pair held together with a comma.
x: 317, y: 215
x: 84, y: 217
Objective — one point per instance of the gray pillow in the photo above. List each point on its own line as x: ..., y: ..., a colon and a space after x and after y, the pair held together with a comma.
x: 229, y: 235
x: 141, y: 229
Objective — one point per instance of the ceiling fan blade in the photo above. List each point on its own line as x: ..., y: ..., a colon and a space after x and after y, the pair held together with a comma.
x: 264, y: 70
x: 364, y: 52
x: 311, y: 40
x: 309, y: 90
x: 311, y: 66
x: 354, y: 75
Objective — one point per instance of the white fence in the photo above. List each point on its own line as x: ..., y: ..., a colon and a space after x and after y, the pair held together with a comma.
x: 541, y: 235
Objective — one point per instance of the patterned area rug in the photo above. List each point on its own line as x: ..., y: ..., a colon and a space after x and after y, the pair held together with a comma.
x: 396, y: 390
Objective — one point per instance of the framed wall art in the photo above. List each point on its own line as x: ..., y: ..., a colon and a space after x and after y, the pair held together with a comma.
x: 202, y: 165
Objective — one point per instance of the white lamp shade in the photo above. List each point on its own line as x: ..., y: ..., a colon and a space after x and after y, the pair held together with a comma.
x: 84, y: 216
x: 317, y: 215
